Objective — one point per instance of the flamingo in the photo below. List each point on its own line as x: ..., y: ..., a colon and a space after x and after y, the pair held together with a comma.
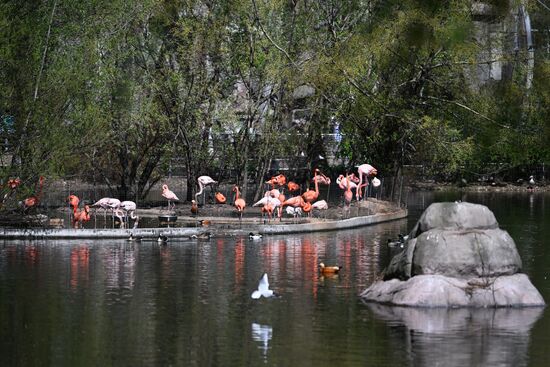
x: 220, y: 198
x: 311, y: 195
x: 282, y: 199
x: 364, y: 170
x: 325, y: 180
x: 203, y: 182
x: 239, y: 203
x: 307, y: 208
x: 194, y: 207
x: 107, y: 204
x: 294, y: 211
x: 320, y: 205
x: 267, y: 209
x: 129, y: 208
x: 169, y: 195
x: 348, y: 196
x: 293, y: 186
x: 81, y: 216
x: 296, y: 201
x: 33, y: 200
x: 263, y: 201
x: 73, y: 201
x: 279, y: 180
x: 342, y: 182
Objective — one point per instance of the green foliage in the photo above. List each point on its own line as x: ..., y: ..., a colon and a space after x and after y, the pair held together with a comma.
x: 115, y: 90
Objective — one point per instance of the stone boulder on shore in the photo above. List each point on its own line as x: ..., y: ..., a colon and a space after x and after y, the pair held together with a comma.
x: 456, y: 256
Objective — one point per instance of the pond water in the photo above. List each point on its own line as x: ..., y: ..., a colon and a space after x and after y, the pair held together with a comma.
x: 115, y: 303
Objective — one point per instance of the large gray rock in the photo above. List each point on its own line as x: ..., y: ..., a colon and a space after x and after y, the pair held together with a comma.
x: 442, y: 291
x: 456, y: 256
x: 455, y: 216
x: 465, y: 253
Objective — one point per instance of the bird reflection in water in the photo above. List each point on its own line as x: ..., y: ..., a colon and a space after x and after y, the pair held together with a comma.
x: 80, y: 259
x: 262, y: 334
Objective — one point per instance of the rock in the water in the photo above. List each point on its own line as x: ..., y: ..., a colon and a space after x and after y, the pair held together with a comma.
x: 442, y: 291
x: 456, y: 256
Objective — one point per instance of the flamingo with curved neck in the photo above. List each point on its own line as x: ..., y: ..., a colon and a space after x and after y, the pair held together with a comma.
x: 204, y: 181
x: 310, y: 195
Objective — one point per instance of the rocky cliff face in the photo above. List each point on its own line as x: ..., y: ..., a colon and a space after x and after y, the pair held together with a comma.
x: 503, y: 32
x: 456, y: 256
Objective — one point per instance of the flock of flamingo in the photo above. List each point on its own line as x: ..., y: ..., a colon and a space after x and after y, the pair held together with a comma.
x: 272, y: 204
x: 274, y: 200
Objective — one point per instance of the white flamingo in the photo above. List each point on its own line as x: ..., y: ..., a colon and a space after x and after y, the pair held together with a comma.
x: 364, y: 170
x: 107, y: 204
x: 294, y: 211
x: 129, y: 209
x: 320, y: 205
x: 203, y: 182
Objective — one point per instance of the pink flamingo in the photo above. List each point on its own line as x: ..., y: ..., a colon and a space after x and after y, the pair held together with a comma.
x: 33, y: 200
x: 296, y: 201
x: 364, y: 170
x: 81, y: 216
x: 310, y: 195
x: 239, y: 203
x: 203, y: 182
x: 107, y: 204
x: 169, y: 195
x: 348, y: 196
x: 324, y: 180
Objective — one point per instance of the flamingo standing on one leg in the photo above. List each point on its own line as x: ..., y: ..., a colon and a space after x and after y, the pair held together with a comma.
x: 364, y: 170
x: 239, y: 203
x: 169, y: 195
x: 203, y: 182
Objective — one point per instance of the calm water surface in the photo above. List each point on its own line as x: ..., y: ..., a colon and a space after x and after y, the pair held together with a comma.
x: 115, y: 303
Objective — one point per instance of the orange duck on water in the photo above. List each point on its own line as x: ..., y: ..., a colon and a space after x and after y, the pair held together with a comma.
x: 329, y: 269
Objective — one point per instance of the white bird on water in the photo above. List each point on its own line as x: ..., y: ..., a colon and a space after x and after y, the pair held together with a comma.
x: 263, y: 289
